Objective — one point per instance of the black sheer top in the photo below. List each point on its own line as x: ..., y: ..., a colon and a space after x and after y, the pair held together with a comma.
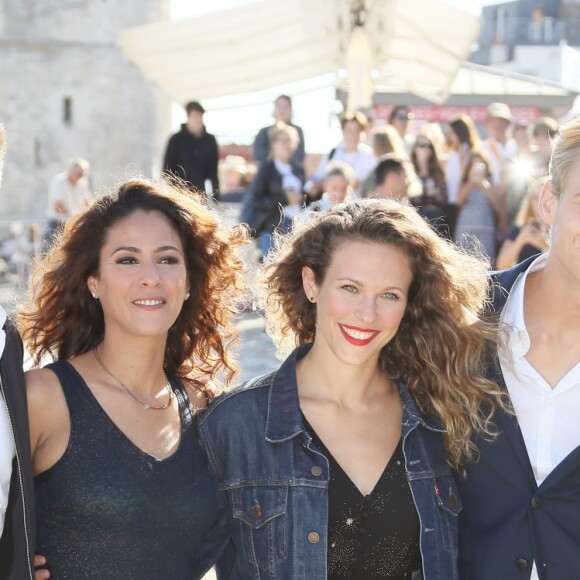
x: 371, y: 536
x: 107, y: 509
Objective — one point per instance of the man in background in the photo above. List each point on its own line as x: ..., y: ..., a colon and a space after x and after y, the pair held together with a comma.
x: 16, y: 487
x: 282, y: 112
x: 68, y: 193
x: 499, y: 147
x: 392, y: 178
x: 192, y: 153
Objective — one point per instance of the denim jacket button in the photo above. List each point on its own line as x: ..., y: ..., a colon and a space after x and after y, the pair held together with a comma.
x: 256, y: 512
x: 313, y: 538
x: 316, y: 471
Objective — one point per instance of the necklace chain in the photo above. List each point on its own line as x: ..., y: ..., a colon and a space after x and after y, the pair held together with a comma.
x: 146, y: 406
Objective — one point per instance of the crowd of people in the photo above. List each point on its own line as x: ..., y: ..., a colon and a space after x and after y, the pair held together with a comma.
x: 471, y: 190
x: 423, y: 424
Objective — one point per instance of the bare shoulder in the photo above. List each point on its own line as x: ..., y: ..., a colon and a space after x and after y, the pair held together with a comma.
x: 47, y: 408
x: 41, y: 386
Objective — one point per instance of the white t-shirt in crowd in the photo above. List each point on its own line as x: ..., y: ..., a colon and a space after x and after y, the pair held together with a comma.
x: 363, y: 161
x: 73, y: 197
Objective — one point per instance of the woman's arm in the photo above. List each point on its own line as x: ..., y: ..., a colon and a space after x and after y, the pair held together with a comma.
x: 48, y: 419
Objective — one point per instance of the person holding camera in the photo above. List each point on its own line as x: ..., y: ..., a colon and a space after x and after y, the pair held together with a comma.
x: 475, y: 230
x: 528, y: 236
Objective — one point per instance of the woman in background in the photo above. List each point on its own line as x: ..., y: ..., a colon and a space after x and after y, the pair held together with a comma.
x: 476, y: 230
x: 432, y: 201
x: 529, y: 235
x: 462, y: 138
x: 275, y: 195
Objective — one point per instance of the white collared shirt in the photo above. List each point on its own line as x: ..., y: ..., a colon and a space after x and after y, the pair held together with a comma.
x: 548, y: 417
x: 6, y: 441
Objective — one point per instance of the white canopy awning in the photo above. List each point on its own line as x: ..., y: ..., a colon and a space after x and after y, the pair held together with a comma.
x: 422, y: 44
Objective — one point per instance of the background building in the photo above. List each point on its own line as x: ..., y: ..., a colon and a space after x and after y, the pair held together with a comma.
x: 66, y: 91
x: 533, y: 37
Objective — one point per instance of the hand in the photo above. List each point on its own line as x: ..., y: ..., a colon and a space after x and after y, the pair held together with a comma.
x: 43, y: 573
x: 531, y: 234
x: 60, y: 207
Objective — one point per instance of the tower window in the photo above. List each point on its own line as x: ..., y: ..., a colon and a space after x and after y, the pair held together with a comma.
x: 67, y: 112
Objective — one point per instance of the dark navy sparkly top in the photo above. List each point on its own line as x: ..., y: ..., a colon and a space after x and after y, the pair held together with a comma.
x: 107, y: 509
x: 374, y: 536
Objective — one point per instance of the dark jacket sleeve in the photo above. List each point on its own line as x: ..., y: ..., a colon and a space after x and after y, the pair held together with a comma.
x: 260, y: 205
x: 18, y: 538
x: 212, y: 167
x: 170, y: 162
x: 262, y: 145
x: 300, y: 152
x: 266, y: 188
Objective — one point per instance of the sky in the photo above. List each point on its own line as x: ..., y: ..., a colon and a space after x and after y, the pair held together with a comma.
x: 237, y: 119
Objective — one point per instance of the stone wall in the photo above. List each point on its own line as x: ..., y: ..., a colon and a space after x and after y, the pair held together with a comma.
x: 66, y: 91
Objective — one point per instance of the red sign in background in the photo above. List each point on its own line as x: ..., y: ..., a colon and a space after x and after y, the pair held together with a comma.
x: 443, y: 114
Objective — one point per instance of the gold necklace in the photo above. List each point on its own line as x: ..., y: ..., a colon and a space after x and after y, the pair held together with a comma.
x: 146, y: 406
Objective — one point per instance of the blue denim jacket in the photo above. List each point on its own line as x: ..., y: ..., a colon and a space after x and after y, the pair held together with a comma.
x: 275, y: 482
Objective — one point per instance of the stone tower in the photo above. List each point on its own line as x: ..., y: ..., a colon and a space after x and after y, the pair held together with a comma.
x: 66, y: 91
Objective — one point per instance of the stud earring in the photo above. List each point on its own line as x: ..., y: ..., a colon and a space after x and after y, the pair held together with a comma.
x: 186, y: 296
x: 312, y: 299
x: 94, y: 295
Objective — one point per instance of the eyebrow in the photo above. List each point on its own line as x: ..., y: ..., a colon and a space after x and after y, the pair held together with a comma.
x: 139, y: 251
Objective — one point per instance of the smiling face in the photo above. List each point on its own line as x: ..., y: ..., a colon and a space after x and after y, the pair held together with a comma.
x: 142, y: 279
x: 361, y: 302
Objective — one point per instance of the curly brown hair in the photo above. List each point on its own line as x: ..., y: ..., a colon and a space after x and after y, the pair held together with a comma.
x: 60, y: 319
x: 439, y: 349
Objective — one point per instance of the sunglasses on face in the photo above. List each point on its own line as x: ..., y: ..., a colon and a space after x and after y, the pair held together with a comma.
x: 424, y: 146
x: 404, y: 116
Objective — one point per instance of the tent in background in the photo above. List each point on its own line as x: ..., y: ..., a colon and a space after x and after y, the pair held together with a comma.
x: 418, y: 46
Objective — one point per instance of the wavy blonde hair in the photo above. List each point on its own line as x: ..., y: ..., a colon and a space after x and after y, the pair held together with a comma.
x: 440, y: 347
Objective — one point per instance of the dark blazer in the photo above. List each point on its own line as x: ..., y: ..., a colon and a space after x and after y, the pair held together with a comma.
x: 508, y: 521
x: 264, y: 198
x: 17, y: 542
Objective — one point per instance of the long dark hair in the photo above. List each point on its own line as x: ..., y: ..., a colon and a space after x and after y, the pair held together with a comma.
x: 62, y: 320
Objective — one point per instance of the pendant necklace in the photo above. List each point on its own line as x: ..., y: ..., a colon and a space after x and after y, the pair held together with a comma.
x: 146, y: 406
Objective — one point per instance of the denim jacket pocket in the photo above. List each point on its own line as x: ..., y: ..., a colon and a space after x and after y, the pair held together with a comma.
x: 447, y: 495
x: 261, y: 513
x: 449, y: 504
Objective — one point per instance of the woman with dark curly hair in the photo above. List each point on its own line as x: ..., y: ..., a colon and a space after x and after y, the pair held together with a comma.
x: 134, y: 303
x: 355, y: 437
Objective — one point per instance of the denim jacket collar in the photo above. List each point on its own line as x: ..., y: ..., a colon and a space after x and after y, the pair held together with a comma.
x: 284, y: 419
x: 411, y: 414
